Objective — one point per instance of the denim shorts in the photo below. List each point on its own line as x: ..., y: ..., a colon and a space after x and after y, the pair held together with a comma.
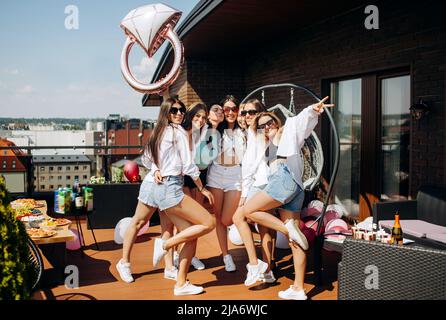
x: 164, y: 195
x: 283, y: 188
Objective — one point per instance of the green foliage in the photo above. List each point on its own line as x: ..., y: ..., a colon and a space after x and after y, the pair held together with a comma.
x: 15, y: 272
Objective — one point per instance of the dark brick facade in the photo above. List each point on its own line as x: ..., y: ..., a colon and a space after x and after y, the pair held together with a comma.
x: 411, y: 35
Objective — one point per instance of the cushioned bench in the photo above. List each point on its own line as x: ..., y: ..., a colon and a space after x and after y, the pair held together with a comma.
x: 422, y: 220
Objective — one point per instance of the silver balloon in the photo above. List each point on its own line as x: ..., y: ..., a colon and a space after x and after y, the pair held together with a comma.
x: 150, y: 26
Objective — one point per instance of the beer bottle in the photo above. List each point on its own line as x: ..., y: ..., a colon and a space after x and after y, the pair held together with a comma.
x: 397, y: 232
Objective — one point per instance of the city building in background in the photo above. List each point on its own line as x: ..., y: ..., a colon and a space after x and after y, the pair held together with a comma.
x: 12, y: 167
x: 59, y: 171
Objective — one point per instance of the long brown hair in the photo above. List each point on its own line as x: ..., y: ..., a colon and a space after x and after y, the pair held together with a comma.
x: 191, y: 112
x: 153, y: 144
x: 257, y: 104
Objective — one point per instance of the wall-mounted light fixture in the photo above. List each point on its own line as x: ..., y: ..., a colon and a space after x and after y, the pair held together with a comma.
x: 419, y: 109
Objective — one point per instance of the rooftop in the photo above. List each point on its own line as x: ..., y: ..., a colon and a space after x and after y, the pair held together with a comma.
x: 60, y: 159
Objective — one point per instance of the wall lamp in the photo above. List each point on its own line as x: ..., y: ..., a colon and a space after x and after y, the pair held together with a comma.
x: 419, y: 109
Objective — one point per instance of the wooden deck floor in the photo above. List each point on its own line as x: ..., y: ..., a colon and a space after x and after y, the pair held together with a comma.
x: 100, y: 280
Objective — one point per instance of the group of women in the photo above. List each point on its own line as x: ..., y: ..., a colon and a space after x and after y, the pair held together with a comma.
x: 246, y: 164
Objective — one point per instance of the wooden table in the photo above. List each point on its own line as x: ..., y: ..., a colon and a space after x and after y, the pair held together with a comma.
x: 63, y: 234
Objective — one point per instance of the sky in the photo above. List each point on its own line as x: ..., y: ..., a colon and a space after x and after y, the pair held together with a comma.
x: 47, y: 70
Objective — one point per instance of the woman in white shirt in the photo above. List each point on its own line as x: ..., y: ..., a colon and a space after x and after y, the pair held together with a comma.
x: 280, y: 186
x: 169, y: 158
x: 224, y: 176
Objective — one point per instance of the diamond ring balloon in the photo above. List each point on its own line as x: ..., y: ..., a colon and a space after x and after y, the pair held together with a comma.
x: 150, y: 26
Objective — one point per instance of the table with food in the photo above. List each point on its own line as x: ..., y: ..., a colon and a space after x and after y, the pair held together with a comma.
x: 40, y: 227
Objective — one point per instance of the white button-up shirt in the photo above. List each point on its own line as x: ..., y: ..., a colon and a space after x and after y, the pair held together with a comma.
x: 175, y: 157
x: 255, y: 169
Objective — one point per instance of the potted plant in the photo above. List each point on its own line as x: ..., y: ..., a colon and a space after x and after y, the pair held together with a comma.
x: 15, y: 272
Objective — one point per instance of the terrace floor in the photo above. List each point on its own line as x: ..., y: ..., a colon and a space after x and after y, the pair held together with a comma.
x: 99, y: 279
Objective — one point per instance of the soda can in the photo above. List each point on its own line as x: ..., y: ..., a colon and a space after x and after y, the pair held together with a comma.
x: 56, y: 200
x: 61, y: 201
x: 88, y: 199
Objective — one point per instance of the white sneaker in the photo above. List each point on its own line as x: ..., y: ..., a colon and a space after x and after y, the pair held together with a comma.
x: 291, y: 294
x: 158, y: 251
x: 171, y: 274
x: 176, y: 259
x: 229, y: 263
x: 267, y: 277
x: 198, y: 265
x: 187, y: 289
x: 254, y: 272
x: 296, y: 235
x: 124, y: 271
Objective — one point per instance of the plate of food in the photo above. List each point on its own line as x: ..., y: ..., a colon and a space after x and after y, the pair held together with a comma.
x: 62, y: 222
x: 37, y: 233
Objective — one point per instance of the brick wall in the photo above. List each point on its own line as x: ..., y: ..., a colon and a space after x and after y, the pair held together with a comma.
x: 411, y: 35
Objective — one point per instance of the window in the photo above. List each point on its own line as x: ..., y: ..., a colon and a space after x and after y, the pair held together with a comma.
x: 85, y: 177
x: 51, y: 168
x: 42, y: 168
x: 42, y: 178
x: 59, y: 168
x: 13, y: 166
x: 51, y: 178
x: 68, y: 177
x: 76, y: 168
x: 76, y: 177
x: 68, y: 168
x: 51, y: 187
x: 85, y: 167
x: 68, y: 185
x: 42, y: 187
x: 59, y: 186
x: 59, y: 177
x: 13, y: 162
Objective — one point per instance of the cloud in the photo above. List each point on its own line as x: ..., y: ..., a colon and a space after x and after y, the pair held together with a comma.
x: 145, y: 69
x: 26, y: 89
x: 11, y: 72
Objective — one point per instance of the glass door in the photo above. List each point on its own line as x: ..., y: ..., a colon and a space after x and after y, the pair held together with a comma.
x: 395, y: 137
x: 347, y: 116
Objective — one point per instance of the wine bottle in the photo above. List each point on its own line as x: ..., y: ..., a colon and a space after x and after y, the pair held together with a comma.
x: 397, y: 231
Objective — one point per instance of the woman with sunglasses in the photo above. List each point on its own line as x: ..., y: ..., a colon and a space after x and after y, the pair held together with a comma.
x: 224, y: 176
x: 168, y: 155
x: 241, y: 118
x: 251, y: 109
x: 279, y: 185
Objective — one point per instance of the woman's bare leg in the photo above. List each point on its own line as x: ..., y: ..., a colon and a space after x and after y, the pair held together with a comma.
x: 267, y: 248
x: 230, y: 204
x: 246, y: 234
x: 187, y: 252
x: 143, y: 213
x: 254, y: 209
x: 166, y: 232
x: 190, y: 210
x: 222, y: 233
x: 299, y: 256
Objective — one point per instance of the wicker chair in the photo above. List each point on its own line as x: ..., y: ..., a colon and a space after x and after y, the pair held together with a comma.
x: 36, y: 263
x: 404, y: 273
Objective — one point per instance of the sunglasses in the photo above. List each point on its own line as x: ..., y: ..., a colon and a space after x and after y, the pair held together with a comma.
x: 229, y: 109
x: 250, y: 112
x: 174, y: 110
x: 269, y: 124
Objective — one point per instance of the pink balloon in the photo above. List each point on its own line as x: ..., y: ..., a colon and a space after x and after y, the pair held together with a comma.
x: 310, y: 234
x: 74, y: 244
x: 312, y: 225
x: 336, y: 223
x: 131, y: 171
x: 144, y: 228
x: 330, y: 215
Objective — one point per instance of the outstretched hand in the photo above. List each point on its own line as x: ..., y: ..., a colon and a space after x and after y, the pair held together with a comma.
x: 319, y: 107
